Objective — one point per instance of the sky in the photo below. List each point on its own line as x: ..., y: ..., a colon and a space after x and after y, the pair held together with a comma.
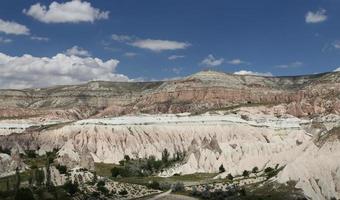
x: 45, y: 43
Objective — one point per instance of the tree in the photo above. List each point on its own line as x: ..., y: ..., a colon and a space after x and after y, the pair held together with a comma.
x: 30, y: 179
x: 48, y: 171
x: 17, y: 179
x: 24, y: 194
x: 268, y: 169
x: 71, y: 188
x: 101, y: 187
x: 31, y: 154
x: 230, y: 177
x: 243, y: 192
x: 62, y: 169
x: 122, y: 162
x: 7, y: 184
x: 123, y: 172
x: 221, y: 169
x: 39, y: 177
x: 178, y: 187
x: 245, y: 173
x: 127, y: 158
x: 101, y: 183
x: 154, y: 185
x: 165, y: 155
x: 95, y: 178
x: 255, y: 170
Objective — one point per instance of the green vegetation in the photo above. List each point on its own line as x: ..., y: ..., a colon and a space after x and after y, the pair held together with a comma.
x: 12, y: 187
x: 188, y: 179
x: 255, y: 170
x: 71, y: 188
x: 221, y: 169
x: 62, y: 169
x: 245, y: 173
x: 24, y: 194
x: 147, y: 166
x: 5, y: 150
x: 230, y: 177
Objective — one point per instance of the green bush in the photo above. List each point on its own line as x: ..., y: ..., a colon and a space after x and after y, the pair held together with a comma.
x: 62, y: 169
x: 31, y: 154
x: 103, y: 190
x: 221, y: 169
x: 118, y: 171
x: 122, y: 162
x: 127, y: 158
x: 178, y: 187
x: 230, y: 177
x: 5, y: 150
x: 24, y: 194
x: 123, y: 192
x: 71, y: 188
x: 154, y: 185
x: 165, y: 156
x: 39, y: 177
x: 268, y: 169
x: 255, y: 170
x: 101, y: 183
x: 245, y: 173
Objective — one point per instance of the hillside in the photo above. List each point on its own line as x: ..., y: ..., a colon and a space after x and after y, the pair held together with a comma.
x: 301, y: 96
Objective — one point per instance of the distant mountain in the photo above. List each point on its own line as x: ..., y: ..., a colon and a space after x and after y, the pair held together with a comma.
x: 207, y: 90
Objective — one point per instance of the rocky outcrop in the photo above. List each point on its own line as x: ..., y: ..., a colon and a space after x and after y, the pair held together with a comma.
x: 209, y: 140
x: 316, y: 168
x: 9, y: 163
x: 72, y: 156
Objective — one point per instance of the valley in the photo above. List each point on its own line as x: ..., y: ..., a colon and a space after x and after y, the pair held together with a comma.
x: 208, y: 136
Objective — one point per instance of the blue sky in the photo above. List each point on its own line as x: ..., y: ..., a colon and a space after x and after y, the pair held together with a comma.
x: 266, y: 36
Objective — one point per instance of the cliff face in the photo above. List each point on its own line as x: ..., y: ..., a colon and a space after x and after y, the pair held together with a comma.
x: 208, y: 140
x: 307, y: 148
x: 302, y: 96
x: 317, y: 168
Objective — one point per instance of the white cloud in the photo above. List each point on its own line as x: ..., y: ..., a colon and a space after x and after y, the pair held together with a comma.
x: 44, y: 39
x: 130, y: 54
x: 316, y: 17
x: 211, y: 61
x: 77, y: 51
x: 237, y: 62
x: 159, y: 45
x: 74, y: 11
x: 121, y: 38
x: 5, y: 40
x: 150, y: 44
x: 336, y: 44
x: 177, y: 70
x: 337, y: 70
x: 175, y: 57
x: 29, y: 71
x: 245, y: 72
x: 290, y: 65
x: 14, y: 28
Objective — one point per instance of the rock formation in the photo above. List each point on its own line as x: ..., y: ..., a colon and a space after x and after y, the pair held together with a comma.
x: 300, y: 96
x: 241, y: 122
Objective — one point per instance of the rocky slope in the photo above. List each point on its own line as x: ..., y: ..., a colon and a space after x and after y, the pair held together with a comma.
x: 301, y: 95
x: 316, y: 168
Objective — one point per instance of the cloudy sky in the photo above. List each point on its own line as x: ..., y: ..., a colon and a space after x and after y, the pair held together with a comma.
x: 45, y: 43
